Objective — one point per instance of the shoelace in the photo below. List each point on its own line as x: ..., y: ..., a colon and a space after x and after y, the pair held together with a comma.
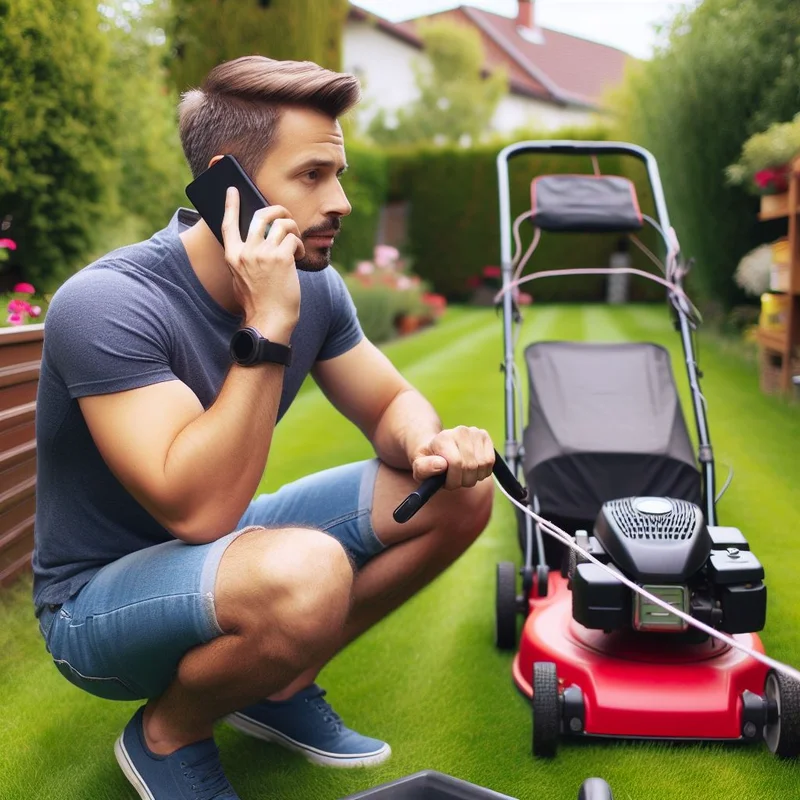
x: 328, y: 714
x: 207, y: 777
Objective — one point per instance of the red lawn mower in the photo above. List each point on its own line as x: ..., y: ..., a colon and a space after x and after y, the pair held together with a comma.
x: 606, y: 456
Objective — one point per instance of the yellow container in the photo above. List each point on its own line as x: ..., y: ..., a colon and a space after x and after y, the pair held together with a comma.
x: 774, y: 311
x: 780, y: 251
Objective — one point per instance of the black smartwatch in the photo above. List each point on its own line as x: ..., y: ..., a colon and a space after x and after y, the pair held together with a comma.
x: 249, y: 347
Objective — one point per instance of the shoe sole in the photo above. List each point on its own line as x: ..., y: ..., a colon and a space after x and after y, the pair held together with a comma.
x: 315, y: 756
x: 131, y: 773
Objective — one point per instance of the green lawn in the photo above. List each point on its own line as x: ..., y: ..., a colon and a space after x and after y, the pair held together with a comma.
x: 428, y: 679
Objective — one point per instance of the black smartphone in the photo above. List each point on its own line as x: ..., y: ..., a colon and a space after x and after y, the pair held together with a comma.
x: 207, y: 193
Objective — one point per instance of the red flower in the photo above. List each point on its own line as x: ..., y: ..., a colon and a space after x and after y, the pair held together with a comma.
x: 774, y: 178
x: 24, y: 288
x: 491, y: 272
x: 473, y: 282
x: 8, y: 244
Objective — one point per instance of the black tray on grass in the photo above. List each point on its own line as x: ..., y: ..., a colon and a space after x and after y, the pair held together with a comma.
x: 429, y: 785
x: 432, y: 785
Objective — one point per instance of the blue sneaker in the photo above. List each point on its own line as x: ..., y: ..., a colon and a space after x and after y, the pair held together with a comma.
x: 192, y: 773
x: 308, y: 725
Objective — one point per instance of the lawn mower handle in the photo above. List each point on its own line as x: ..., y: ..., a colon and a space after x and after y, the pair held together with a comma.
x: 430, y: 486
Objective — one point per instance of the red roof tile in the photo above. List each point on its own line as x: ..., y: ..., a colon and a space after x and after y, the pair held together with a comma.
x: 580, y: 69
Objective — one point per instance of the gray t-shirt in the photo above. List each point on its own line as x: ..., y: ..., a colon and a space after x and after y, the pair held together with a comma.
x: 138, y: 316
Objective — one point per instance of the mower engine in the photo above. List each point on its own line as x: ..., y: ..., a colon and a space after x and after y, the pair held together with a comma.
x: 664, y: 545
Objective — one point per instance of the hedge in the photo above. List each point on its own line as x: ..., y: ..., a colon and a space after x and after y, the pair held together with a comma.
x: 365, y: 182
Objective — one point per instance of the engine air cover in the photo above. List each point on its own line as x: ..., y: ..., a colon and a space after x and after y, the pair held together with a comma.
x: 654, y: 539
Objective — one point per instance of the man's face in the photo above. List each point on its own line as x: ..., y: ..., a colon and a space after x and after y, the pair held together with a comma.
x: 301, y: 172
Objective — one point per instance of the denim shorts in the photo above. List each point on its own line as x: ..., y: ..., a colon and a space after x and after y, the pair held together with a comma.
x: 122, y: 635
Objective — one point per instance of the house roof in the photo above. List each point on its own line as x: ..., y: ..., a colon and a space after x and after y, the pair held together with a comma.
x: 560, y: 68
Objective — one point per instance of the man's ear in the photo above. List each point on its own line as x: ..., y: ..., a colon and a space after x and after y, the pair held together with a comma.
x: 214, y: 161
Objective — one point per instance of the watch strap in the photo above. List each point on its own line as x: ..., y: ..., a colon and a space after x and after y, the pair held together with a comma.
x: 273, y: 352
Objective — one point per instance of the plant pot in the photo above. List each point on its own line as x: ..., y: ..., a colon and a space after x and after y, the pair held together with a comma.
x: 408, y: 323
x: 774, y: 205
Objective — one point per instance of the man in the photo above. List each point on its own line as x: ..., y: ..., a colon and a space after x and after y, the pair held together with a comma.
x: 157, y: 576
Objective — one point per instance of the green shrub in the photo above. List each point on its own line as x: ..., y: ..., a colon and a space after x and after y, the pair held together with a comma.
x: 204, y: 34
x: 730, y: 69
x: 57, y: 133
x: 89, y: 152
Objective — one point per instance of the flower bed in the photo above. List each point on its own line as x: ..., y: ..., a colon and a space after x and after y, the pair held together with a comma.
x: 390, y: 299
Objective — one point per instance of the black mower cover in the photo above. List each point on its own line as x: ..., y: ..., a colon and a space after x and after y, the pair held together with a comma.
x: 605, y: 422
x: 585, y: 204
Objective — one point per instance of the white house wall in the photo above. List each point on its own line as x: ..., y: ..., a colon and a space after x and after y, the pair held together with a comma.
x: 383, y: 63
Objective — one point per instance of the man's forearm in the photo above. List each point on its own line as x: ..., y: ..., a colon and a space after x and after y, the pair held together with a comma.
x: 408, y: 423
x: 215, y: 464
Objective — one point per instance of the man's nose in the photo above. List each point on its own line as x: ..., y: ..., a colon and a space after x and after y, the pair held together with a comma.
x: 337, y: 202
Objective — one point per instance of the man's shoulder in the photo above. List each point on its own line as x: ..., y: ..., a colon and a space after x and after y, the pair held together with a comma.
x: 126, y: 269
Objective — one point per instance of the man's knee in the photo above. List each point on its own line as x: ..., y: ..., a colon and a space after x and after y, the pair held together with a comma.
x: 468, y: 511
x: 289, y: 589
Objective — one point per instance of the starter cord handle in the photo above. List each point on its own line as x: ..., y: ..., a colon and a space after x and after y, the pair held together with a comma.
x: 430, y: 486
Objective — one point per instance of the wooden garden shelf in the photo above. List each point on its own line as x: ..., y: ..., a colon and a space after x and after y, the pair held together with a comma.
x: 765, y: 216
x: 772, y: 340
x: 780, y: 349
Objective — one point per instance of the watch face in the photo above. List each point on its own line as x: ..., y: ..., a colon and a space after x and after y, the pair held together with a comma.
x: 243, y: 345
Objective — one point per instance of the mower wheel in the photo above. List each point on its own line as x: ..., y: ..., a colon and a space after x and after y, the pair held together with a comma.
x: 782, y: 731
x: 542, y: 580
x: 505, y: 614
x: 546, y: 709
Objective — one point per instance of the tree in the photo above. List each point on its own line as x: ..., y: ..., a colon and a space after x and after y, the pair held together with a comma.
x: 730, y: 68
x: 152, y: 169
x: 57, y: 128
x: 455, y: 99
x: 205, y: 33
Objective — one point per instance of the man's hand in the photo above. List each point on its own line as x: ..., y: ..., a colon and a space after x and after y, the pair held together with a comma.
x: 466, y: 453
x: 263, y: 270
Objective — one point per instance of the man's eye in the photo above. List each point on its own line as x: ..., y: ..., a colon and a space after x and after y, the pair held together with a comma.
x: 313, y: 175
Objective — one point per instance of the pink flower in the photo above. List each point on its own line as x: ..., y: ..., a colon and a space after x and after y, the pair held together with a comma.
x: 491, y: 272
x: 24, y: 288
x: 18, y: 306
x: 35, y: 311
x: 365, y: 268
x: 385, y: 256
x: 8, y: 244
x: 15, y: 319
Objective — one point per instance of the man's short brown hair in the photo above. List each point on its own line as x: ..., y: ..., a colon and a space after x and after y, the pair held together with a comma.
x: 238, y: 107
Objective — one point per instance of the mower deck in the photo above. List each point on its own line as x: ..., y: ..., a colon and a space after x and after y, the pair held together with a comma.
x: 639, y: 685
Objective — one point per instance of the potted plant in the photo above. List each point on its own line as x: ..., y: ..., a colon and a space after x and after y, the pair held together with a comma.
x: 765, y: 164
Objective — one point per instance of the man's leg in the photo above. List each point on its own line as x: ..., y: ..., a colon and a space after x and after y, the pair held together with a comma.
x: 354, y: 503
x: 282, y: 597
x: 416, y: 552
